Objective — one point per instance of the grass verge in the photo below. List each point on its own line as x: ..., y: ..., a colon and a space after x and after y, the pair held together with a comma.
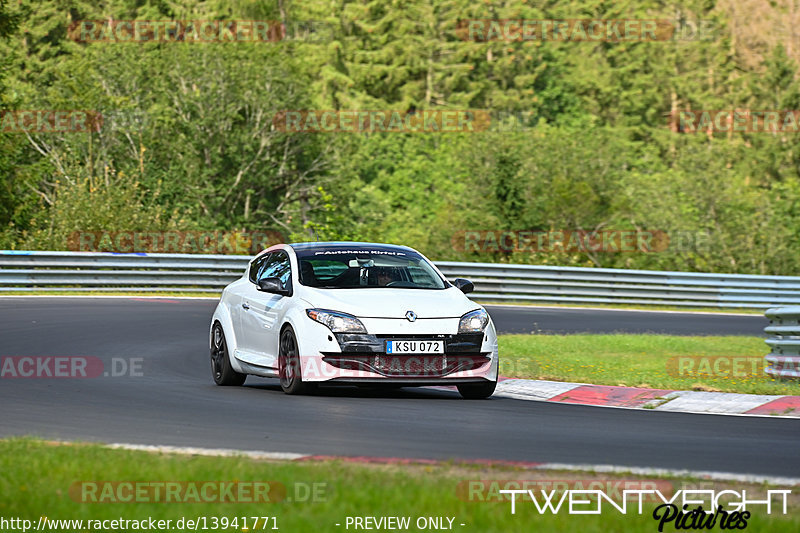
x: 39, y: 479
x: 726, y: 364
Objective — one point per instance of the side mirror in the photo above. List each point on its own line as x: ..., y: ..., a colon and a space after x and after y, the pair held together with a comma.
x: 465, y: 285
x: 272, y: 285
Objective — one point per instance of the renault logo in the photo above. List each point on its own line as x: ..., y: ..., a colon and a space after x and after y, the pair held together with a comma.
x: 411, y: 316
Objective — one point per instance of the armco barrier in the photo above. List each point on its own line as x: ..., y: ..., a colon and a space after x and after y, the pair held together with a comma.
x: 97, y: 271
x: 90, y: 271
x: 784, y: 341
x: 606, y: 285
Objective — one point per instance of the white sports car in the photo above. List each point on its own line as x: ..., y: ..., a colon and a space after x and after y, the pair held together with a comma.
x: 359, y: 313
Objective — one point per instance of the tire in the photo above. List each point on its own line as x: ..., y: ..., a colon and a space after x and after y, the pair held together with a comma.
x: 289, y: 372
x: 221, y: 369
x: 477, y: 391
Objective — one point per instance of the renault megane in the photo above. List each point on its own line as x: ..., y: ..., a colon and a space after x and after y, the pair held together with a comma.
x: 348, y: 312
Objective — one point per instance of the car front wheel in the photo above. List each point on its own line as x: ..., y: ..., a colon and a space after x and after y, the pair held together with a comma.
x: 477, y: 391
x: 289, y: 371
x: 221, y: 369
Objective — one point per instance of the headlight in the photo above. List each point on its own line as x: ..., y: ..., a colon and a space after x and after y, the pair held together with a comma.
x: 473, y: 322
x: 337, y: 322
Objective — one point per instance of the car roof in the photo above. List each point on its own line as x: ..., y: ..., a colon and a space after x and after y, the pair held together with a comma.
x: 338, y: 245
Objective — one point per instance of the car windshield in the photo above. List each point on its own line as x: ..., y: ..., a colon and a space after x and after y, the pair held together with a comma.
x: 365, y: 268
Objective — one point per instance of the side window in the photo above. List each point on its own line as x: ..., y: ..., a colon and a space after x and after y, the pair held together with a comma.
x: 256, y: 266
x: 278, y: 266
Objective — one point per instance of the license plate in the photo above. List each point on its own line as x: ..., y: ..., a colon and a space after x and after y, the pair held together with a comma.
x: 395, y: 347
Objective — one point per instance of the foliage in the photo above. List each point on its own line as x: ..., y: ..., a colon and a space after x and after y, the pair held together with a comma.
x: 579, y: 140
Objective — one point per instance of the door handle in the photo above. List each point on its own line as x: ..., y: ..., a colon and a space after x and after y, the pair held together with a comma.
x: 245, y: 306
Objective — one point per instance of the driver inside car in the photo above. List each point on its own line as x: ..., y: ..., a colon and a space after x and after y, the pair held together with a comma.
x: 384, y: 277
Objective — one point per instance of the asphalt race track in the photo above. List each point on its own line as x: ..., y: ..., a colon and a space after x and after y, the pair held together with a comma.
x: 564, y: 320
x: 174, y: 401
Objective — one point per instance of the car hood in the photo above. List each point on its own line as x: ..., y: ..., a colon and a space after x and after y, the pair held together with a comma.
x: 391, y: 303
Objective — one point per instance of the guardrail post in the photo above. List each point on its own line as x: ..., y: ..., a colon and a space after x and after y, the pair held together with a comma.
x: 784, y: 330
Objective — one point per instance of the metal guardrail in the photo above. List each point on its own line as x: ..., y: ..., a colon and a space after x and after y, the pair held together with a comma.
x: 93, y: 271
x: 99, y: 271
x: 784, y: 330
x: 606, y: 285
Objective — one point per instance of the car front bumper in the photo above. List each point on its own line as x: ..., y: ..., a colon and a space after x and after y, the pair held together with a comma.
x: 343, y: 357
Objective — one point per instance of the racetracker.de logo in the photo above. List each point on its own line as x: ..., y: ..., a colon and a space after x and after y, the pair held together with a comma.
x: 140, y: 491
x: 720, y: 366
x: 735, y: 120
x: 177, y: 491
x: 49, y: 121
x: 68, y: 367
x: 387, y: 120
x: 177, y: 31
x: 494, y: 490
x: 563, y: 241
x: 368, y: 365
x: 577, y: 30
x: 176, y: 242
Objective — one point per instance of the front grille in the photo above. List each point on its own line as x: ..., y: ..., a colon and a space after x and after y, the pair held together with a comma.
x: 359, y: 343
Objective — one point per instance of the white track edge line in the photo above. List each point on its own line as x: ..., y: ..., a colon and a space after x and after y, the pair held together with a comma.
x: 669, y: 472
x: 610, y: 469
x: 212, y: 452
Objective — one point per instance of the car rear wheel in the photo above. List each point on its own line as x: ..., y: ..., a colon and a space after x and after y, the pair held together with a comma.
x: 289, y: 365
x: 477, y: 391
x: 221, y: 369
